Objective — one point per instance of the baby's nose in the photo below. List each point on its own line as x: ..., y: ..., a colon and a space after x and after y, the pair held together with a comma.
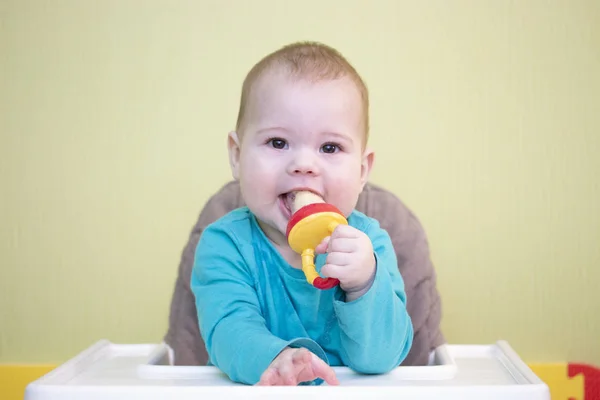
x: 303, y: 170
x: 303, y: 164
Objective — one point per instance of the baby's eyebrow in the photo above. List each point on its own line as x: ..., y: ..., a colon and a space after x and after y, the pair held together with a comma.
x: 339, y: 136
x: 271, y: 129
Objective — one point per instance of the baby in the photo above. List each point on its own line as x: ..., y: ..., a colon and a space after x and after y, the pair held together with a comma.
x: 302, y: 127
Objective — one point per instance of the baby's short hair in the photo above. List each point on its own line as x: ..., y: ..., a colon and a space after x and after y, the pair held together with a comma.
x: 311, y: 61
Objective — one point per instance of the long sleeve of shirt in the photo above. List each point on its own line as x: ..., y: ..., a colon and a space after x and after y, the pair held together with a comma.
x: 237, y: 339
x: 376, y: 330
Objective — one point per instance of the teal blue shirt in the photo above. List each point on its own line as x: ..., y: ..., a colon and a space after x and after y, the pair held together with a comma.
x: 252, y: 304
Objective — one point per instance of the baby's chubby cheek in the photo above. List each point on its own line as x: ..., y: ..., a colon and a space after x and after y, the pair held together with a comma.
x: 343, y: 193
x: 345, y: 203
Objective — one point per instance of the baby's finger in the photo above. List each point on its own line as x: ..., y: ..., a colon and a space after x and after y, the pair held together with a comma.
x: 345, y: 231
x: 341, y: 259
x: 288, y: 373
x: 322, y: 247
x: 306, y: 374
x: 342, y: 245
x: 269, y: 378
x: 303, y: 363
x: 323, y: 371
x: 301, y: 356
x: 332, y: 271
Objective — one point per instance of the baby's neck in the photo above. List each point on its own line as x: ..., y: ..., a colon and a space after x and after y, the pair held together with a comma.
x: 281, y: 244
x: 289, y: 255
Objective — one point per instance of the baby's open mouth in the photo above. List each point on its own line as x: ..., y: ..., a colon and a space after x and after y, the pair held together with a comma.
x: 287, y: 201
x: 295, y: 200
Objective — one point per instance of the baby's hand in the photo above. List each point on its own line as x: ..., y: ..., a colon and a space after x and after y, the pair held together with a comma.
x: 350, y: 259
x: 293, y: 366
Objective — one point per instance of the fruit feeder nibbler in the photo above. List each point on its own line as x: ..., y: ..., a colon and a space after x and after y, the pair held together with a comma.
x: 312, y: 221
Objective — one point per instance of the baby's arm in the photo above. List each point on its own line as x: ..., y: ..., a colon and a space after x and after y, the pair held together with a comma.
x: 376, y: 330
x: 237, y: 339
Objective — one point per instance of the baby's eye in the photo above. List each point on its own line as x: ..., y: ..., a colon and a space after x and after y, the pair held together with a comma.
x: 277, y: 143
x: 330, y: 148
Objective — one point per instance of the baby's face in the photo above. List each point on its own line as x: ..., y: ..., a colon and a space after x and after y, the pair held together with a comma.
x: 300, y: 135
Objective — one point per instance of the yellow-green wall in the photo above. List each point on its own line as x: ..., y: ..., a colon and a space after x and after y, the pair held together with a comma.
x: 113, y: 116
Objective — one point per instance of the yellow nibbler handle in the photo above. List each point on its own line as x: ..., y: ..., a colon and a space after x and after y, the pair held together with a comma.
x: 306, y: 230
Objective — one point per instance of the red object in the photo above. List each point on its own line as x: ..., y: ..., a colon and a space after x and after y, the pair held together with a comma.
x: 307, y: 210
x: 591, y: 380
x: 325, y: 283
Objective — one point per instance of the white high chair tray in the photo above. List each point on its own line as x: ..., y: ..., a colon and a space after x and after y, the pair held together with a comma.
x: 143, y: 371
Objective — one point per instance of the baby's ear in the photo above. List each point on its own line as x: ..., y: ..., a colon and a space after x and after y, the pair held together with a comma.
x: 366, y: 165
x: 233, y: 146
